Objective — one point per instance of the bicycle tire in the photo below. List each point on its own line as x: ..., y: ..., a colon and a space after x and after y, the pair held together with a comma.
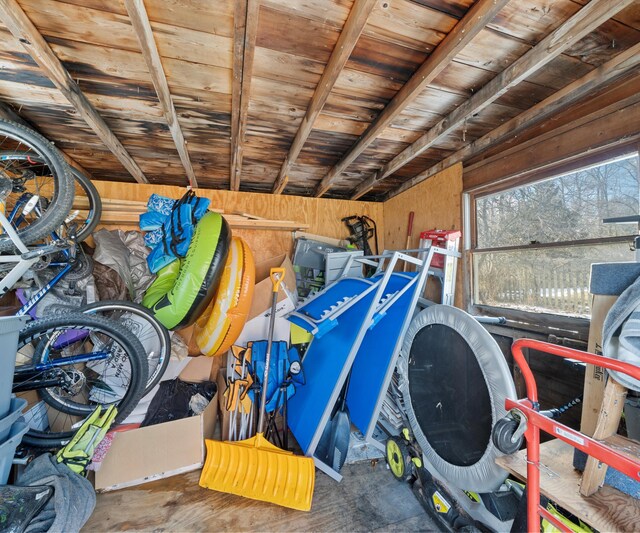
x: 87, y: 186
x: 157, y: 365
x: 62, y: 200
x: 35, y: 330
x: 95, y: 204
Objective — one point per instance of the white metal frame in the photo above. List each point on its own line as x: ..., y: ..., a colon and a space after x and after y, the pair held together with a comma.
x: 23, y: 262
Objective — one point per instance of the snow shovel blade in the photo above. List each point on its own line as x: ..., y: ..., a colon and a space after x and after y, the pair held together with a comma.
x: 256, y: 469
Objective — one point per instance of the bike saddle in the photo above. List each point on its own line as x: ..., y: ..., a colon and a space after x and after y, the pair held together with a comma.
x: 18, y: 506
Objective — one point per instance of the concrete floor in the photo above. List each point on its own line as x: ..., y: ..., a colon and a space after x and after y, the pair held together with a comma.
x: 368, y: 499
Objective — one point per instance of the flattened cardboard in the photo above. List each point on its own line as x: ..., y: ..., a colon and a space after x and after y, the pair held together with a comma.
x: 156, y: 452
x: 188, y: 335
x: 595, y: 376
x: 163, y: 450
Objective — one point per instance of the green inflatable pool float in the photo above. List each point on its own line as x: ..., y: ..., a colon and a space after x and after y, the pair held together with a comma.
x: 183, y: 289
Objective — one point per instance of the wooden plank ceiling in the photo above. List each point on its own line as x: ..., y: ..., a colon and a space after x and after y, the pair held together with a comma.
x: 182, y: 73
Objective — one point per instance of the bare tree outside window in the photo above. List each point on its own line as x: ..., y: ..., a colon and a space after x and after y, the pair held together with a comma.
x: 562, y: 209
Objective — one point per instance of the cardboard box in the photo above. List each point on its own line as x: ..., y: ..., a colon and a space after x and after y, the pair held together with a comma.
x: 188, y: 335
x: 155, y: 452
x: 257, y: 326
x: 263, y: 289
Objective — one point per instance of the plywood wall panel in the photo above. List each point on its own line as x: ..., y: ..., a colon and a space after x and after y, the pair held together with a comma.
x: 323, y: 215
x: 436, y: 203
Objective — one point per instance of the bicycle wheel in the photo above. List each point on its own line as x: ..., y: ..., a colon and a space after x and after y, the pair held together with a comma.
x: 37, y: 193
x: 92, y: 218
x: 85, y: 220
x: 53, y: 359
x: 153, y: 336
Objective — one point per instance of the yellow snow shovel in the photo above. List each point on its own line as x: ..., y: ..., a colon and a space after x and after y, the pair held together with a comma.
x: 255, y: 468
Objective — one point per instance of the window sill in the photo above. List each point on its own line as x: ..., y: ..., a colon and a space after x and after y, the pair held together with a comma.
x: 540, y: 323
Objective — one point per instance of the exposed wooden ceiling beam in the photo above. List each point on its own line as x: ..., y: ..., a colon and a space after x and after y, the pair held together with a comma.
x: 575, y: 28
x: 609, y: 72
x: 8, y: 113
x: 346, y: 42
x: 23, y: 29
x: 144, y: 33
x: 244, y: 43
x: 482, y: 12
x: 609, y: 129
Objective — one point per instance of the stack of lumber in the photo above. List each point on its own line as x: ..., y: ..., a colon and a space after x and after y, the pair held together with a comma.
x: 126, y: 213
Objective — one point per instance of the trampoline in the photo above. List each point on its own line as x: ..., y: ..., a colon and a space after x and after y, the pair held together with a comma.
x: 455, y: 379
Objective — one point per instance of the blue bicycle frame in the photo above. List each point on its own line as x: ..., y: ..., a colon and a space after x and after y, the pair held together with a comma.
x: 27, y: 371
x: 15, y: 218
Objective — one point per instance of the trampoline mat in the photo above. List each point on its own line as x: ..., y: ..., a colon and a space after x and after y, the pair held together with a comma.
x: 449, y: 395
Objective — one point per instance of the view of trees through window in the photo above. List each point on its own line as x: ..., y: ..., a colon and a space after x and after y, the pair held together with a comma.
x: 562, y: 209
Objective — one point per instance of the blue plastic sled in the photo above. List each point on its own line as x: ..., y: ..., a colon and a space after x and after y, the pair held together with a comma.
x: 357, y: 323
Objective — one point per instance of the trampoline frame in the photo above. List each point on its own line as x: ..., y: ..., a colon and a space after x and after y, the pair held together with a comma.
x: 484, y: 475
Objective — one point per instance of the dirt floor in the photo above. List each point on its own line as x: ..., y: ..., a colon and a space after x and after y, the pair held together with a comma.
x: 368, y: 499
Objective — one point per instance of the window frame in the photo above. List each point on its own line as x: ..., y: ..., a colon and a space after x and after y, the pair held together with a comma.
x: 539, y: 322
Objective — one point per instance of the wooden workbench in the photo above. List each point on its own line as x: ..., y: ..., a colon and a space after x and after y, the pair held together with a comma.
x: 607, y: 510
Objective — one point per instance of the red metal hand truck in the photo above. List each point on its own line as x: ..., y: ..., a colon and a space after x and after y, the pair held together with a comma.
x: 527, y: 411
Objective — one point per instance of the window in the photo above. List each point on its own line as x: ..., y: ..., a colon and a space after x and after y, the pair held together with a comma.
x: 534, y: 244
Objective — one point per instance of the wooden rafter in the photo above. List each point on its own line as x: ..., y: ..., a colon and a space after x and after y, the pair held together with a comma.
x: 23, y: 29
x: 482, y: 12
x: 244, y: 44
x: 144, y: 33
x: 8, y: 113
x: 614, y: 69
x: 575, y: 28
x: 346, y: 42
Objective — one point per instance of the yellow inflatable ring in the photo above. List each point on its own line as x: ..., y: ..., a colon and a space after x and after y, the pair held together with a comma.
x: 220, y: 325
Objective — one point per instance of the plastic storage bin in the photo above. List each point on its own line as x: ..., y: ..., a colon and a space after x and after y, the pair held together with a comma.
x: 8, y: 448
x: 15, y: 410
x: 10, y: 327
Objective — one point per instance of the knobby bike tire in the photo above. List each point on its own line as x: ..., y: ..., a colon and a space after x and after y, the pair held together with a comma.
x: 157, y: 366
x: 95, y: 204
x: 87, y: 186
x: 62, y: 200
x: 97, y: 324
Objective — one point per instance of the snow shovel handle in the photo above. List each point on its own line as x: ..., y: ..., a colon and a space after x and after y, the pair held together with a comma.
x: 276, y: 275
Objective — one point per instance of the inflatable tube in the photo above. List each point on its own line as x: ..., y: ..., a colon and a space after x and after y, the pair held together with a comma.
x: 220, y: 325
x: 454, y: 380
x: 184, y: 288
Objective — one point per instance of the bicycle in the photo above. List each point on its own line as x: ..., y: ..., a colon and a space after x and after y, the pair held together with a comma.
x: 70, y: 360
x: 74, y: 361
x: 101, y: 365
x: 58, y: 254
x: 149, y: 331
